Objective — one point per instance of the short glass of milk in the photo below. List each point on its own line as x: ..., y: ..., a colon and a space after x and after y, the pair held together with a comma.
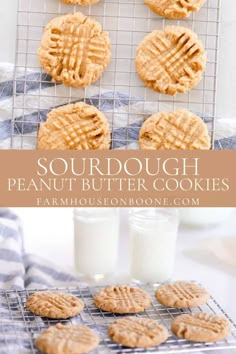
x: 153, y: 235
x: 96, y: 239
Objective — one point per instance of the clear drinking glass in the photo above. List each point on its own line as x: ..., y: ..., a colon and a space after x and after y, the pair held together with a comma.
x: 153, y: 235
x: 96, y: 238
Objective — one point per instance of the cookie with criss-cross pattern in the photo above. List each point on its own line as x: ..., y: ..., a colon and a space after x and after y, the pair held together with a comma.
x: 174, y: 9
x: 182, y: 294
x: 171, y: 61
x: 74, y: 50
x: 122, y: 299
x: 135, y: 332
x: 68, y: 339
x: 54, y: 304
x: 201, y: 327
x: 74, y: 127
x: 179, y: 130
x: 80, y: 2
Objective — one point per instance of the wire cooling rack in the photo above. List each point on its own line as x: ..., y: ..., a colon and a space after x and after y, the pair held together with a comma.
x: 19, y: 328
x: 120, y: 94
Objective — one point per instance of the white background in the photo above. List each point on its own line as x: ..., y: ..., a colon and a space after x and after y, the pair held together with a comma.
x: 49, y: 233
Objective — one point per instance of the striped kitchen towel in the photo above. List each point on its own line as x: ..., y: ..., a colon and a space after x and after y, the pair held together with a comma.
x: 19, y: 270
x: 117, y: 106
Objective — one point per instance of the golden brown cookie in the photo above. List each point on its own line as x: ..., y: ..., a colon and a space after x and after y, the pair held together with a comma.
x: 80, y: 2
x: 122, y: 299
x: 179, y: 130
x: 74, y: 127
x: 182, y: 294
x: 171, y: 61
x: 74, y: 50
x: 174, y: 9
x: 137, y: 332
x: 54, y: 304
x: 68, y: 339
x: 201, y: 327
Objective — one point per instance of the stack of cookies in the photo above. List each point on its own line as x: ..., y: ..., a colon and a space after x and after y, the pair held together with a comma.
x: 131, y: 331
x: 75, y: 51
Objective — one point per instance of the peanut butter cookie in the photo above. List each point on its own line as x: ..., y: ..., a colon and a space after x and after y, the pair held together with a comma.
x: 179, y: 130
x: 74, y: 50
x: 136, y: 332
x: 74, y: 127
x: 201, y: 327
x: 182, y: 294
x: 54, y: 304
x: 171, y: 61
x: 174, y: 9
x: 68, y: 339
x: 122, y: 299
x: 80, y: 2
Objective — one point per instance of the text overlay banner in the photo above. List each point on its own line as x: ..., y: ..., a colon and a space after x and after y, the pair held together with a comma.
x: 117, y: 178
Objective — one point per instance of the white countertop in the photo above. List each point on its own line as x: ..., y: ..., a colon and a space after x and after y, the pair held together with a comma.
x: 49, y: 233
x: 226, y: 103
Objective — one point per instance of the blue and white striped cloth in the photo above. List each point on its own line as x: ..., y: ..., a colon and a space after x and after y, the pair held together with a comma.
x: 19, y: 270
x: 127, y: 110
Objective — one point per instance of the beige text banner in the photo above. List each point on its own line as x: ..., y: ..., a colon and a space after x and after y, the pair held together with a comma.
x: 117, y: 178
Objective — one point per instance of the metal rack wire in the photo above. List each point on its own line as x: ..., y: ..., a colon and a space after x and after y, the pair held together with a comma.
x: 19, y: 328
x: 119, y: 93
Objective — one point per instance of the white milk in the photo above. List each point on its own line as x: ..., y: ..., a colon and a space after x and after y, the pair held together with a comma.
x: 153, y: 234
x: 96, y: 237
x: 203, y: 217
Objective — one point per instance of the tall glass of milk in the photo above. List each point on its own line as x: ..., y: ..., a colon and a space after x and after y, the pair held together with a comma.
x: 153, y: 234
x: 96, y: 238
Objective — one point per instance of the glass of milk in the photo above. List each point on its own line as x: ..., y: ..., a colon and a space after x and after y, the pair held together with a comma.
x: 153, y: 234
x: 96, y: 238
